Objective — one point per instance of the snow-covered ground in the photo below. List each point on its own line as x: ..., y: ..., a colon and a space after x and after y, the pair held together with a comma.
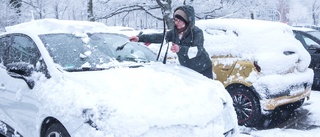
x: 313, y: 118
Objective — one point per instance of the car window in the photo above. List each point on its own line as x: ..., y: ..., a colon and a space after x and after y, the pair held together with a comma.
x: 65, y: 49
x: 309, y: 42
x: 301, y: 38
x: 3, y: 46
x: 97, y: 50
x: 19, y: 48
x: 315, y: 34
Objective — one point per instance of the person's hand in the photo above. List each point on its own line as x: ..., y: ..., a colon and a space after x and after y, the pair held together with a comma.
x: 134, y: 38
x: 175, y: 48
x: 147, y: 43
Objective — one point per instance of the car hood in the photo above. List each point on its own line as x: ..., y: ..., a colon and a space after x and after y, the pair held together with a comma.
x: 132, y: 100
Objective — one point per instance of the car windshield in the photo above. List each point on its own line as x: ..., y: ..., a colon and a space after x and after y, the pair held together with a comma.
x: 94, y: 51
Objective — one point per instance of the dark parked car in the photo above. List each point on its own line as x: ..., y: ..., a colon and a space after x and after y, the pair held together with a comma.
x: 310, y: 39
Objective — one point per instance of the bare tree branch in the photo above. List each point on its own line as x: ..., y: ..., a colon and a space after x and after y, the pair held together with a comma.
x: 31, y: 5
x: 127, y: 9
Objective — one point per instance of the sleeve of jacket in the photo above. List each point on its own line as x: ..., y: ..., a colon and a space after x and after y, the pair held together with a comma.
x: 151, y: 38
x: 169, y: 35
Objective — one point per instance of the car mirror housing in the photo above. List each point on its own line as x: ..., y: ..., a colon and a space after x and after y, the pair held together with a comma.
x: 21, y: 70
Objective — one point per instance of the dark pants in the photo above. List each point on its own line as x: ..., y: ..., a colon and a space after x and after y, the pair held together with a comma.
x: 207, y: 72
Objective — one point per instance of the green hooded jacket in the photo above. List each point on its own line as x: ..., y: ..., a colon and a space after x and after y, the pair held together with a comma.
x: 193, y: 37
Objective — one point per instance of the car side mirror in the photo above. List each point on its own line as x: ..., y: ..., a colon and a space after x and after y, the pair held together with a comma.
x: 23, y: 71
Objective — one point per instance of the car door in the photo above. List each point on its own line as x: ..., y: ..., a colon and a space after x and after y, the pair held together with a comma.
x: 223, y: 67
x: 5, y: 100
x: 19, y: 109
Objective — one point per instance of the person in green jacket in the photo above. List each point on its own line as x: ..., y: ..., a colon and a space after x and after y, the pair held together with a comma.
x: 187, y: 41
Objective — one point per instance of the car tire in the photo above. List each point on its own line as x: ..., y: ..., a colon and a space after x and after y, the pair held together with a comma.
x: 56, y: 130
x: 246, y: 104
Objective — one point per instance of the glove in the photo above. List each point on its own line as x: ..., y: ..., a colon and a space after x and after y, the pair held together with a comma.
x: 134, y: 38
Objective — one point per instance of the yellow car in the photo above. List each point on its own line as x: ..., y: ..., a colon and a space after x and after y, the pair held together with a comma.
x: 260, y: 63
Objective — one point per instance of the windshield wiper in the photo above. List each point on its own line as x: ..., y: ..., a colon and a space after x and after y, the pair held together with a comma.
x: 122, y: 46
x: 85, y: 69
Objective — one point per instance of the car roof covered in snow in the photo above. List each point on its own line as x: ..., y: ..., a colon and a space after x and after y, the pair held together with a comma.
x: 248, y: 37
x: 47, y: 26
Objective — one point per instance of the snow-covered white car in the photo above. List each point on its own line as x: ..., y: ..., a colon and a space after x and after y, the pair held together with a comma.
x: 260, y: 63
x: 64, y: 78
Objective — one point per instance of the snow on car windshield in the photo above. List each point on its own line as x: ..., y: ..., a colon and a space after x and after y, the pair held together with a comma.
x: 100, y: 50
